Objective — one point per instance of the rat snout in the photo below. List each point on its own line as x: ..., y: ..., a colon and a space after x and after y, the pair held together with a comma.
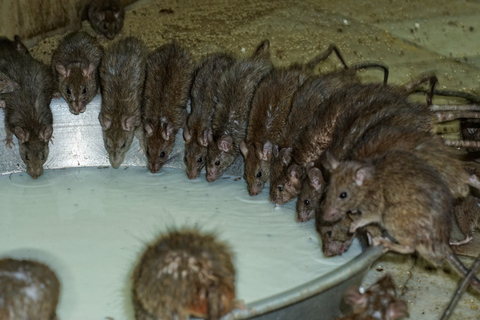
x: 192, y: 174
x: 35, y: 173
x: 154, y: 167
x: 330, y: 214
x: 115, y: 160
x: 211, y: 176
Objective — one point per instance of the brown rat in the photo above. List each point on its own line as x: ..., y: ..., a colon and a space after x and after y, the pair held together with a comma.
x: 75, y: 62
x: 467, y: 213
x: 230, y: 119
x: 28, y: 290
x: 27, y: 110
x: 106, y: 17
x: 168, y: 81
x: 378, y: 302
x: 271, y: 106
x: 12, y: 47
x: 122, y: 72
x: 203, y: 97
x: 404, y: 195
x: 184, y: 273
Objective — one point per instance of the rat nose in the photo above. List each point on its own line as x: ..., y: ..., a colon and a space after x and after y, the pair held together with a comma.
x: 35, y: 173
x: 153, y: 167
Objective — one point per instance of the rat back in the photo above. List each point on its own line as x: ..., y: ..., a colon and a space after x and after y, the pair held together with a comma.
x: 203, y: 98
x: 28, y: 290
x: 230, y: 120
x: 122, y: 74
x: 184, y: 273
x: 106, y: 17
x: 75, y: 62
x: 168, y: 81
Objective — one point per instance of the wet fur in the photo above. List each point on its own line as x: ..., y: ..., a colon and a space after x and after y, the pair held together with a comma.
x: 230, y: 120
x: 169, y: 78
x: 203, y: 98
x: 75, y: 62
x: 16, y: 302
x: 122, y: 74
x: 184, y: 273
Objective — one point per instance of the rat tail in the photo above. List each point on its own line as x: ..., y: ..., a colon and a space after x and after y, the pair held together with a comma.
x: 324, y: 55
x: 461, y: 268
x: 367, y: 65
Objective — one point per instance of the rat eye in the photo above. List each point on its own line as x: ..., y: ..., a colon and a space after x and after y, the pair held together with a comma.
x: 84, y: 91
x: 148, y: 152
x: 42, y: 157
x: 162, y: 154
x: 217, y: 163
x: 329, y: 234
x: 280, y: 188
x: 343, y: 195
x: 27, y: 157
x: 199, y: 160
x: 307, y: 202
x: 68, y: 91
x: 259, y: 174
x: 123, y: 145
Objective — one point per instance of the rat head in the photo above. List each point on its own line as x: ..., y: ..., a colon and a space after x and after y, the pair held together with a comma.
x: 117, y: 136
x: 220, y: 156
x: 257, y: 165
x: 285, y: 178
x: 195, y: 152
x: 6, y: 84
x: 346, y: 189
x: 34, y: 148
x: 78, y: 85
x: 379, y: 301
x: 159, y: 141
x: 108, y: 22
x: 310, y: 194
x: 336, y: 237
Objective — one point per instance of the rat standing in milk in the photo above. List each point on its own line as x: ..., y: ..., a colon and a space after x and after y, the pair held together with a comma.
x: 75, y: 62
x: 168, y: 80
x: 230, y: 119
x: 122, y: 73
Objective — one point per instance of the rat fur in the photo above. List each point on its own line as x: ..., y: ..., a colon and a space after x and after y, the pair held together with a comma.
x: 230, y: 119
x: 106, y: 17
x: 28, y: 290
x: 203, y: 98
x: 75, y: 62
x: 168, y: 81
x: 184, y: 273
x: 122, y: 73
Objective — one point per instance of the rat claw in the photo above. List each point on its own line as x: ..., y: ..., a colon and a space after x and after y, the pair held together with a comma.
x: 9, y: 142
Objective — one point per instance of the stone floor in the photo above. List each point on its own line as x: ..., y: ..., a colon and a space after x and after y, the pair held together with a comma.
x: 409, y: 36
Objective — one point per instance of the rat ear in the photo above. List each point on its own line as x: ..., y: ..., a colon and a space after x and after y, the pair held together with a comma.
x: 267, y: 151
x: 332, y: 162
x: 210, y: 136
x: 275, y: 150
x: 88, y: 71
x: 357, y: 300
x: 363, y: 174
x: 62, y: 70
x: 186, y: 134
x: 19, y: 44
x: 46, y: 133
x: 203, y: 141
x: 2, y: 104
x: 117, y: 14
x: 167, y: 130
x: 148, y: 129
x: 263, y: 50
x: 397, y: 310
x: 295, y: 173
x: 22, y: 135
x: 285, y: 155
x: 128, y: 123
x: 316, y: 178
x: 225, y: 143
x: 244, y: 148
x: 105, y: 121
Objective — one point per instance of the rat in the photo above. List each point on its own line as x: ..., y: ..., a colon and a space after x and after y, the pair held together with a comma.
x: 403, y: 194
x: 75, y: 62
x: 106, y: 17
x: 378, y: 302
x: 184, y: 273
x: 168, y: 81
x: 28, y: 290
x: 271, y: 106
x: 203, y: 97
x: 8, y: 46
x: 310, y: 112
x: 122, y: 73
x: 467, y: 213
x: 27, y: 110
x: 230, y: 119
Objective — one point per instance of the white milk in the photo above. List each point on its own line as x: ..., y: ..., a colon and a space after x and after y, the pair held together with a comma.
x: 90, y: 225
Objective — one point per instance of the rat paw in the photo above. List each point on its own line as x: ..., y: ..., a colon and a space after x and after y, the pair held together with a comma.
x: 467, y: 239
x: 9, y: 142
